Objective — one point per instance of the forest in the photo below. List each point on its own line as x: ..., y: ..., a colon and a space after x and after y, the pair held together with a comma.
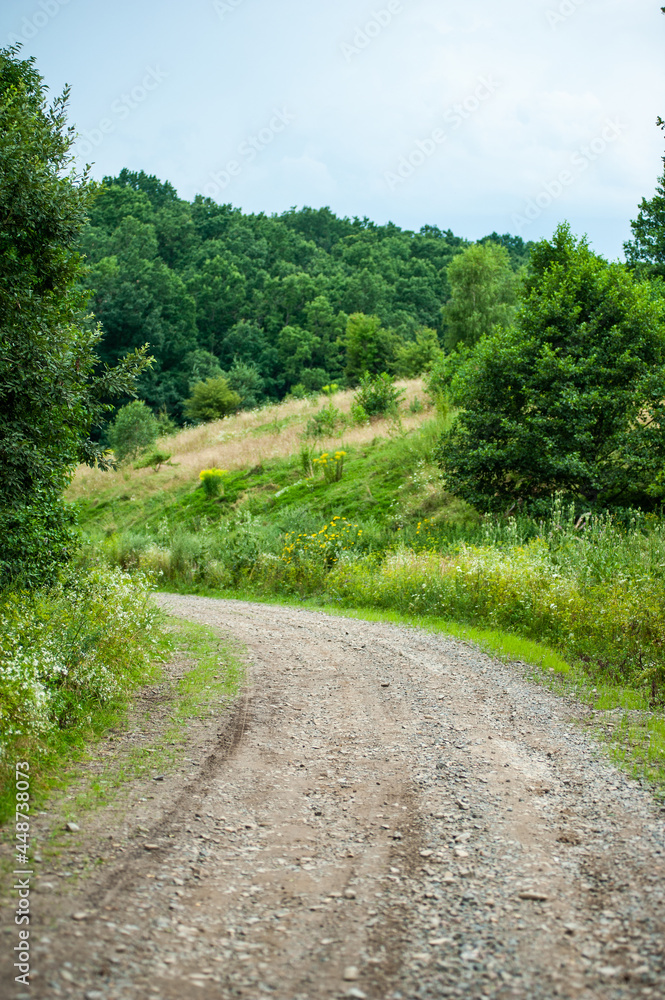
x: 267, y: 300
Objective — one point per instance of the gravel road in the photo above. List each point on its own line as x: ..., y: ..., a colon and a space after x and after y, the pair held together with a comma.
x: 385, y: 813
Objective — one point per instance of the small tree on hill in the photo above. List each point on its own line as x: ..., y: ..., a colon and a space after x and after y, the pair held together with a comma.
x: 572, y: 398
x: 483, y: 294
x: 135, y: 427
x: 211, y: 400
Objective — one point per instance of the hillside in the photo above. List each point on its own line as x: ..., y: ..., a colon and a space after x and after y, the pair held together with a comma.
x: 263, y: 451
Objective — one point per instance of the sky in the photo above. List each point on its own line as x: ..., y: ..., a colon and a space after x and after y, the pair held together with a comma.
x: 470, y: 115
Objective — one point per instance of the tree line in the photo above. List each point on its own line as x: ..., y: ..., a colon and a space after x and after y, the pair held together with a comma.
x: 274, y: 304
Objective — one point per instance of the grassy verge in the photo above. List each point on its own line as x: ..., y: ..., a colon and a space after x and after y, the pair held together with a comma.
x: 213, y: 675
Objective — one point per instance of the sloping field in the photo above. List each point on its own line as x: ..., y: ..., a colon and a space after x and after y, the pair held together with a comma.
x: 245, y: 441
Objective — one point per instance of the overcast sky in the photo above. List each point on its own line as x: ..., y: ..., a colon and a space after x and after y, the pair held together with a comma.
x: 472, y: 115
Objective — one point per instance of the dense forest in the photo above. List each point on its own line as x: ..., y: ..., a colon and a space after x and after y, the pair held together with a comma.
x: 264, y: 299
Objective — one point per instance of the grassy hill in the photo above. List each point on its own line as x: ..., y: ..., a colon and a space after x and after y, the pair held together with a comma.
x: 270, y: 459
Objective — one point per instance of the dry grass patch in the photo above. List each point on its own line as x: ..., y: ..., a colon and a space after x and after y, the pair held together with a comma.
x: 243, y: 441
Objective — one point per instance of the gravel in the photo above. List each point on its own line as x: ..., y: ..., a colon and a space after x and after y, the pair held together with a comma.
x: 385, y: 813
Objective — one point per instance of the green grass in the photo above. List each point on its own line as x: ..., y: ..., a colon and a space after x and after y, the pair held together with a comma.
x: 216, y: 674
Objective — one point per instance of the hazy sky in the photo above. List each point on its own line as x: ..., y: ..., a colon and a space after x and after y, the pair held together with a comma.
x: 476, y: 115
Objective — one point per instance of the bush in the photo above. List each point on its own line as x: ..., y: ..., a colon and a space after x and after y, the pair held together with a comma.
x: 70, y: 650
x: 376, y: 396
x: 135, y: 427
x: 212, y: 481
x: 211, y: 400
x: 417, y: 356
x: 153, y: 460
x: 325, y: 422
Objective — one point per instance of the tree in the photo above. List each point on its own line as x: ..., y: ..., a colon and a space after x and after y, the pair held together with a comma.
x: 646, y: 251
x: 572, y: 398
x: 211, y: 400
x: 484, y: 292
x: 417, y: 356
x: 135, y: 427
x: 369, y: 348
x: 53, y: 392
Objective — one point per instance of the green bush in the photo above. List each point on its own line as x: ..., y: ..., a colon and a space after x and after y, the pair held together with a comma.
x: 68, y: 651
x: 212, y: 481
x: 376, y: 396
x: 153, y: 460
x: 325, y: 422
x: 135, y: 427
x: 211, y: 400
x: 572, y: 398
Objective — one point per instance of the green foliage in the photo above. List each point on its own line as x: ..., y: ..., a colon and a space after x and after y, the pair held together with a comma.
x: 646, y: 251
x: 211, y: 400
x: 69, y: 650
x: 212, y: 481
x: 153, y: 460
x: 246, y: 380
x: 417, y: 356
x: 331, y: 467
x: 134, y: 427
x: 53, y: 393
x: 325, y: 422
x: 376, y: 396
x: 570, y: 399
x: 484, y: 293
x: 274, y: 292
x: 369, y: 348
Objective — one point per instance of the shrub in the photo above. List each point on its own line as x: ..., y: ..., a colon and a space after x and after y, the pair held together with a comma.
x: 417, y: 356
x: 325, y: 422
x: 134, y: 427
x: 69, y: 650
x: 211, y: 400
x: 153, y: 460
x: 572, y: 398
x: 376, y: 396
x: 212, y: 481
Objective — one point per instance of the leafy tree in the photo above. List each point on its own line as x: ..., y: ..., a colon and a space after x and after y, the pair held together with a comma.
x: 369, y: 348
x: 484, y: 292
x: 53, y: 392
x: 417, y: 356
x: 134, y: 428
x: 572, y: 398
x: 376, y: 396
x: 246, y: 380
x: 211, y: 400
x: 646, y: 251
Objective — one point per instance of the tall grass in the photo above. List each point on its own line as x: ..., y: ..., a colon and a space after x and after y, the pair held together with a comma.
x: 593, y: 589
x: 70, y: 656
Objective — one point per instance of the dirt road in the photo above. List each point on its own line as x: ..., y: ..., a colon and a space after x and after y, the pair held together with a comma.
x: 385, y: 813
